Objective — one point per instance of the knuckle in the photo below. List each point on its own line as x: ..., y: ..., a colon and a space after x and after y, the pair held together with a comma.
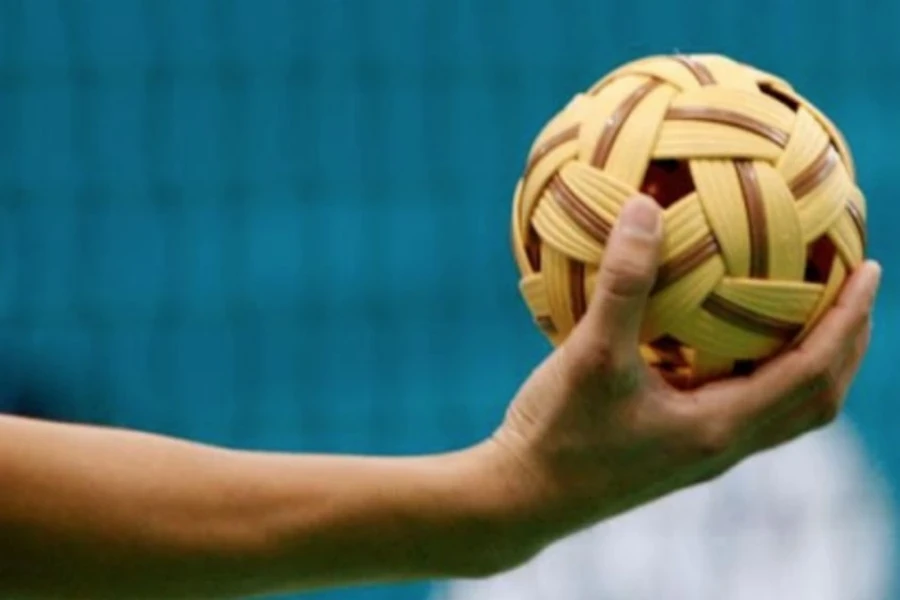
x: 589, y: 357
x: 600, y: 357
x: 600, y: 369
x: 596, y: 355
x: 814, y: 367
x: 713, y: 439
x: 828, y: 401
x: 627, y: 276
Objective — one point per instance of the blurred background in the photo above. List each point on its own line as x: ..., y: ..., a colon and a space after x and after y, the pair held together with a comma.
x: 283, y: 224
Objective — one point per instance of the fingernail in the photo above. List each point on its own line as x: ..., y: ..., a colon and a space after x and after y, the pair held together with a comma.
x: 641, y: 215
x: 876, y: 280
x: 878, y: 271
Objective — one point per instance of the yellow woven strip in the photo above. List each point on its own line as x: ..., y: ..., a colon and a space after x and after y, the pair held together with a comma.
x: 833, y: 286
x: 681, y: 298
x: 792, y: 302
x: 602, y: 193
x: 691, y: 139
x: 630, y: 155
x: 807, y: 141
x: 785, y: 235
x: 541, y: 173
x: 700, y: 329
x: 751, y: 104
x: 534, y: 291
x: 555, y: 267
x: 719, y: 192
x: 706, y: 366
x: 684, y: 225
x: 822, y: 207
x: 597, y: 109
x: 559, y: 231
x: 649, y: 355
x: 859, y: 200
x: 833, y: 132
x: 556, y: 144
x: 519, y: 226
x: 727, y: 72
x: 846, y: 239
x: 657, y: 67
x: 568, y: 117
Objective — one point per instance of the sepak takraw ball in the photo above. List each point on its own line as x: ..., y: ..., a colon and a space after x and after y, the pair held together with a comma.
x: 763, y: 218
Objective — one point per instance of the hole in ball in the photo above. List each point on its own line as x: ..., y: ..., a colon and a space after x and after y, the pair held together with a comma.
x: 743, y: 368
x: 820, y: 257
x: 533, y: 249
x: 781, y: 97
x: 669, y: 353
x: 794, y: 106
x: 668, y: 181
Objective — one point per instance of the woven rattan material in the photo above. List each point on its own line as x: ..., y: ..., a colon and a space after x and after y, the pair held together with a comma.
x: 763, y: 219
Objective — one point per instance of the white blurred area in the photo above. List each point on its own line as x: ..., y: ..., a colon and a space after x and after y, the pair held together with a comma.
x: 808, y: 521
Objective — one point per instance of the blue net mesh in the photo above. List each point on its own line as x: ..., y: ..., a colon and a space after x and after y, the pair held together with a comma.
x: 283, y: 224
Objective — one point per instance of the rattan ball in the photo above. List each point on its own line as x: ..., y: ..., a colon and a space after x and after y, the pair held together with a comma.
x: 763, y: 218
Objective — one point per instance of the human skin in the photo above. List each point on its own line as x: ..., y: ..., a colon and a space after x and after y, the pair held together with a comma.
x: 92, y: 512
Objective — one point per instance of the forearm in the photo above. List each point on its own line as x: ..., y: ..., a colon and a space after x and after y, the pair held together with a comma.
x: 99, y: 513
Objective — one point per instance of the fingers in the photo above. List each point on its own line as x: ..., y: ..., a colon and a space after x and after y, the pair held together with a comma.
x: 627, y: 273
x: 801, y: 417
x: 823, y: 352
x: 817, y: 373
x: 790, y: 425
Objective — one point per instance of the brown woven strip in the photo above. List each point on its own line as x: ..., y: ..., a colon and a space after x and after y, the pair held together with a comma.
x: 750, y: 320
x: 546, y: 324
x: 553, y: 142
x: 616, y: 120
x: 859, y: 222
x: 728, y: 117
x: 685, y: 262
x: 576, y: 289
x: 702, y: 74
x: 593, y: 224
x: 756, y: 219
x: 814, y: 174
x: 533, y: 248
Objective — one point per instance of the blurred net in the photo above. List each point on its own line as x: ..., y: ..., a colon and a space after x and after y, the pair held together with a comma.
x: 284, y: 225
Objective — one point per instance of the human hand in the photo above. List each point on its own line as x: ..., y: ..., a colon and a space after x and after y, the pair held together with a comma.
x: 594, y: 432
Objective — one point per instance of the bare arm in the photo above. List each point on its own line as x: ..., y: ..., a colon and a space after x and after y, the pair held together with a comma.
x: 95, y: 513
x: 101, y: 513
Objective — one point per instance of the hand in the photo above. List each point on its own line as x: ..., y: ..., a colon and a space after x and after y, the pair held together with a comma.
x: 594, y: 432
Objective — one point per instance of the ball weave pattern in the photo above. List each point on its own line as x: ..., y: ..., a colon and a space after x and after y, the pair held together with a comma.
x: 763, y: 219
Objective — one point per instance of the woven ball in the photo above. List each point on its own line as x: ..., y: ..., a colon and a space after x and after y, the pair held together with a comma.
x: 763, y: 219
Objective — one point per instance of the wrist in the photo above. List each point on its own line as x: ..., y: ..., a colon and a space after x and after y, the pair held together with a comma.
x: 495, y: 503
x: 442, y: 516
x: 536, y: 501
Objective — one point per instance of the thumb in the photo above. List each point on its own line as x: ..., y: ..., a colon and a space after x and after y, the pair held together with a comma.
x: 627, y: 274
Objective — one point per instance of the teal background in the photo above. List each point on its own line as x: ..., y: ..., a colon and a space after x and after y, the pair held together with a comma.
x: 283, y: 224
